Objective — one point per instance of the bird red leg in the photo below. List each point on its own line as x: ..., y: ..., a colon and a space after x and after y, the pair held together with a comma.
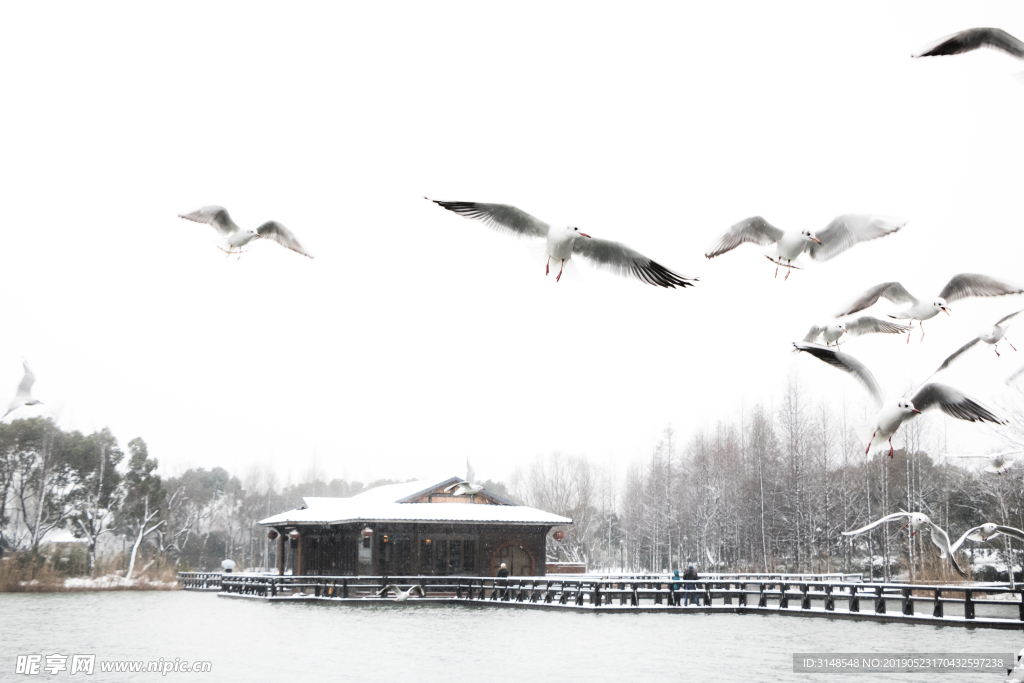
x: 559, y: 276
x: 910, y: 327
x: 868, y: 449
x: 922, y: 330
x: 890, y: 446
x: 1011, y: 344
x: 788, y: 262
x: 777, y: 267
x: 995, y: 347
x: 547, y: 266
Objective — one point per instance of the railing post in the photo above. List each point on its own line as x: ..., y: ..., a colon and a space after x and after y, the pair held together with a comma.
x: 783, y: 597
x: 707, y: 594
x: 969, y: 604
x: 805, y: 601
x: 908, y: 602
x: 830, y: 605
x: 879, y: 601
x: 742, y: 600
x: 762, y: 598
x: 854, y: 605
x: 727, y: 600
x: 633, y: 598
x: 657, y: 594
x: 937, y: 608
x: 273, y: 588
x: 458, y: 589
x: 1020, y: 605
x: 597, y: 594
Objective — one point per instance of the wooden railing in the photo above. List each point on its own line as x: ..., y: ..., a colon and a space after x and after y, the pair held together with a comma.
x: 968, y: 603
x: 200, y: 581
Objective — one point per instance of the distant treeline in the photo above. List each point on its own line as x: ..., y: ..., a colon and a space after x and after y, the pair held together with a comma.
x: 772, y: 491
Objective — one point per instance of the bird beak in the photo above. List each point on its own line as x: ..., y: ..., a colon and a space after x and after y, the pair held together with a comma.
x: 815, y: 239
x: 916, y: 411
x: 583, y: 234
x: 946, y: 310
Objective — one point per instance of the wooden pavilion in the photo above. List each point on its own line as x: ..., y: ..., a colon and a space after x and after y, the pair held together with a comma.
x: 415, y: 528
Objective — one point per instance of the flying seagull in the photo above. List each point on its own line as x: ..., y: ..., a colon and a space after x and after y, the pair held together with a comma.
x: 23, y: 396
x: 866, y: 324
x: 918, y: 521
x: 841, y: 234
x: 997, y: 462
x: 986, y: 532
x: 464, y: 488
x: 234, y: 237
x: 892, y: 414
x: 992, y: 335
x: 565, y: 241
x: 400, y: 595
x: 972, y: 39
x: 959, y: 287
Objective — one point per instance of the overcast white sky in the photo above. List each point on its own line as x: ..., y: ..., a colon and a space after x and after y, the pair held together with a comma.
x: 416, y: 338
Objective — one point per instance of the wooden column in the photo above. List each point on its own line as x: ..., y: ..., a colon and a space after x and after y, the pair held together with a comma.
x: 298, y: 556
x: 280, y: 554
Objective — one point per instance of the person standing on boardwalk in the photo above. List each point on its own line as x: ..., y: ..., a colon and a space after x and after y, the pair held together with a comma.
x: 675, y: 586
x: 690, y: 589
x: 502, y: 575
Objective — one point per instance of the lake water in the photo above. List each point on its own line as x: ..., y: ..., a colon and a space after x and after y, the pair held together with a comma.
x: 251, y: 640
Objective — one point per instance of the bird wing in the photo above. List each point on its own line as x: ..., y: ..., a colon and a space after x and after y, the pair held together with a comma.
x: 956, y: 354
x: 622, y: 260
x: 1007, y: 317
x: 1010, y: 531
x: 954, y: 403
x: 845, y: 231
x: 940, y: 539
x: 27, y: 380
x: 867, y: 324
x: 972, y: 284
x: 960, y: 541
x: 754, y: 229
x: 813, y: 333
x: 385, y: 589
x: 458, y: 483
x: 273, y: 230
x: 893, y: 291
x: 503, y: 217
x: 418, y: 589
x: 972, y: 39
x: 217, y: 216
x: 846, y: 363
x: 879, y: 522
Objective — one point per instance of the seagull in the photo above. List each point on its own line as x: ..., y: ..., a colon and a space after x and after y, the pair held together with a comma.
x: 464, y: 488
x: 865, y: 324
x: 893, y: 414
x: 841, y: 234
x: 564, y: 241
x: 972, y: 39
x: 997, y: 462
x: 917, y: 521
x: 992, y: 335
x: 234, y: 237
x: 23, y: 396
x: 986, y: 532
x: 400, y: 595
x: 959, y: 287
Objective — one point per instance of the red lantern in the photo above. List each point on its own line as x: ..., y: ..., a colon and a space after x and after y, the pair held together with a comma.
x: 272, y: 534
x: 367, y: 532
x: 294, y: 535
x: 558, y: 535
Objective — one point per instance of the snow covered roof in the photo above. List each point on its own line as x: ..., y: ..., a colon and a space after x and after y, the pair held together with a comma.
x: 388, y: 504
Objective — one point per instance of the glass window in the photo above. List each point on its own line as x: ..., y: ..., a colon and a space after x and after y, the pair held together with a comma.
x: 454, y: 557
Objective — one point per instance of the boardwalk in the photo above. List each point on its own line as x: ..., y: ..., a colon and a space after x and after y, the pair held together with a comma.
x: 835, y: 597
